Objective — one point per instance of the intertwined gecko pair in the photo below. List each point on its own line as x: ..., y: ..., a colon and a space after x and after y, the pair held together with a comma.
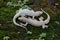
x: 31, y: 21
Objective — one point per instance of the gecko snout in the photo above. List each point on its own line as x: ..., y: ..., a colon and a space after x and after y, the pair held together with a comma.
x: 20, y: 18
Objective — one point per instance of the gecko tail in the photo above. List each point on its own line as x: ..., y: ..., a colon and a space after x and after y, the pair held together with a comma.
x: 19, y: 25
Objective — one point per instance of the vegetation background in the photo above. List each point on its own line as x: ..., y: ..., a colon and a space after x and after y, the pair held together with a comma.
x: 7, y: 28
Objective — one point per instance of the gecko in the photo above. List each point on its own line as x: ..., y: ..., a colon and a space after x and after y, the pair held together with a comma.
x: 23, y: 12
x: 35, y: 22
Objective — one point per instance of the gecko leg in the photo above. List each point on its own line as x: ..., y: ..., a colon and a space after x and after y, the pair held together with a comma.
x: 44, y: 26
x: 33, y: 17
x: 41, y: 18
x: 24, y: 24
x: 23, y: 27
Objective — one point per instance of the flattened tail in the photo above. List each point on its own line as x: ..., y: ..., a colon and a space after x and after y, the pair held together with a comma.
x: 48, y: 19
x: 14, y: 21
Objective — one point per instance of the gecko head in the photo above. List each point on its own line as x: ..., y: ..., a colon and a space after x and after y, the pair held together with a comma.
x: 22, y: 18
x: 40, y: 12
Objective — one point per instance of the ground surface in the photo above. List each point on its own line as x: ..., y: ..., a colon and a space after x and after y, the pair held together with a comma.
x: 7, y: 28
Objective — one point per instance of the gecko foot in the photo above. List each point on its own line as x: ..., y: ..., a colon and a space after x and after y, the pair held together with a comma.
x: 24, y: 24
x: 44, y: 26
x: 41, y: 18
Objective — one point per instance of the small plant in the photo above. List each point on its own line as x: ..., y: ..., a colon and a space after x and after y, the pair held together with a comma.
x: 6, y: 38
x: 41, y: 37
x: 19, y: 3
x: 29, y: 32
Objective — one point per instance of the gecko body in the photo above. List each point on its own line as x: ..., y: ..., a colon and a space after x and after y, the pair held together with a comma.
x: 24, y: 12
x: 34, y: 22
